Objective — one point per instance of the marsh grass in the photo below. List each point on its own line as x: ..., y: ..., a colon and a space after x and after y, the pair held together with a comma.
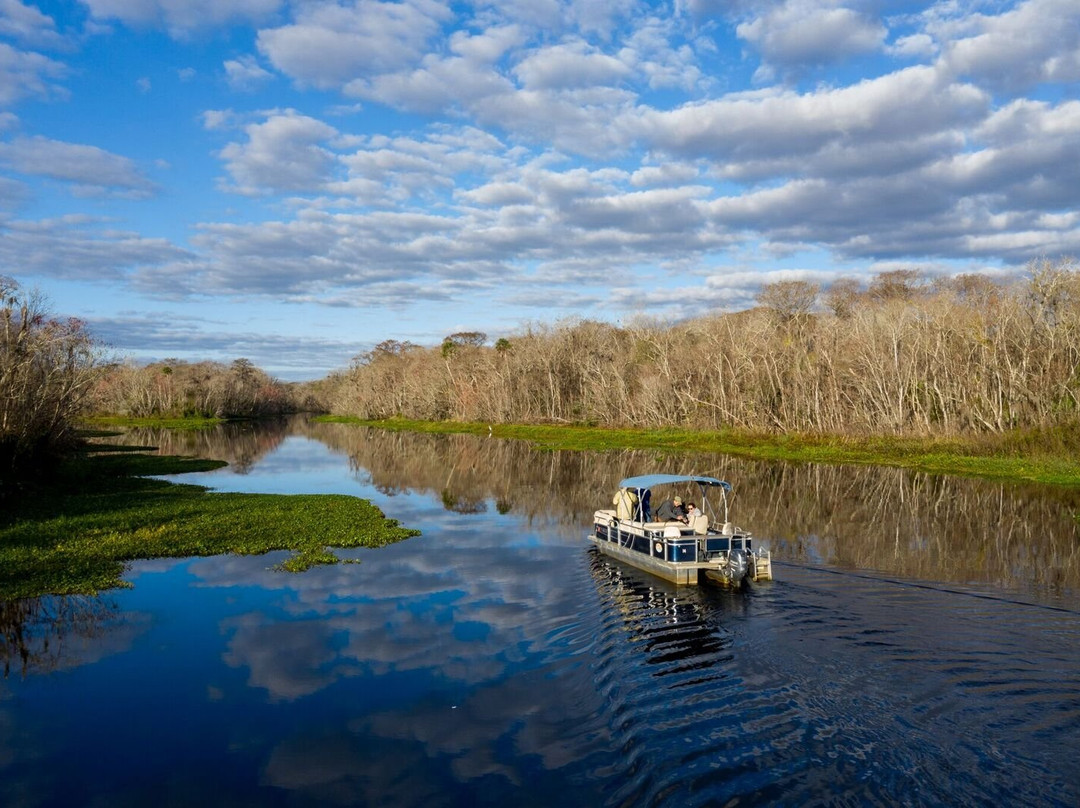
x: 1026, y: 456
x: 77, y: 534
x: 156, y: 422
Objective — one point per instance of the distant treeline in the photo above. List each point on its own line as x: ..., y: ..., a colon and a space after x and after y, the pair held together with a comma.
x: 904, y: 355
x: 176, y: 389
x: 51, y: 373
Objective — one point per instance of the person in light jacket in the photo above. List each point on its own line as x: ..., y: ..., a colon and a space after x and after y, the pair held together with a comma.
x: 624, y: 503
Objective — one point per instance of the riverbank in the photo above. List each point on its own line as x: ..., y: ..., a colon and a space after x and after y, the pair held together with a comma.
x: 77, y: 534
x: 95, y: 422
x: 1041, y: 457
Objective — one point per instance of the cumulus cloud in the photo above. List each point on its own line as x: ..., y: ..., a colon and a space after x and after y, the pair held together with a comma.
x: 245, y: 73
x: 550, y: 142
x: 1037, y: 41
x: 79, y: 247
x: 328, y: 44
x: 90, y: 170
x: 182, y: 16
x: 568, y: 65
x: 12, y: 193
x: 25, y: 73
x: 28, y: 24
x: 178, y: 335
x: 780, y: 124
x: 286, y: 152
x: 801, y: 33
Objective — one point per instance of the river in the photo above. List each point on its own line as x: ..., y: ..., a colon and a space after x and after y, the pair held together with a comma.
x: 919, y: 646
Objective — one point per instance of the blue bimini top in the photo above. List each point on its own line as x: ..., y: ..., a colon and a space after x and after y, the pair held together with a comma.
x: 649, y: 480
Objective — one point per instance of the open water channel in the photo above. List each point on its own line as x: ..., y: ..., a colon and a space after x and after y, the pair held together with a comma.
x: 919, y: 646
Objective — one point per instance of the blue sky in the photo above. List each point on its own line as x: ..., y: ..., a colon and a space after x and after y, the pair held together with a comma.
x: 293, y: 181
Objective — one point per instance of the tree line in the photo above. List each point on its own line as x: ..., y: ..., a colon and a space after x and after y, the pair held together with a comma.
x: 905, y: 355
x: 177, y: 389
x: 52, y: 372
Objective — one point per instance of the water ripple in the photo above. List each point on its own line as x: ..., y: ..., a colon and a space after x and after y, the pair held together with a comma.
x: 825, y: 688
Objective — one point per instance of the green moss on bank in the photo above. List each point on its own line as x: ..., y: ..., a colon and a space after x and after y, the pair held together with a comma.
x: 77, y: 535
x: 1029, y: 456
x: 98, y: 421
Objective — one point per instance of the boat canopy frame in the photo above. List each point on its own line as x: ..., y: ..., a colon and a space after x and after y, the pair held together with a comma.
x: 646, y: 482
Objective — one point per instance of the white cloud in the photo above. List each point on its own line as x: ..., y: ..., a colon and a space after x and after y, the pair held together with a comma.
x: 283, y: 153
x: 89, y: 169
x: 489, y: 46
x: 182, y: 16
x: 27, y: 24
x: 569, y: 65
x: 329, y: 44
x: 1037, y: 41
x: 198, y: 337
x: 915, y: 46
x: 12, y: 193
x: 439, y: 84
x: 78, y: 247
x: 143, y: 85
x: 25, y: 73
x: 653, y: 53
x: 245, y: 73
x: 788, y: 124
x: 219, y: 119
x: 800, y: 33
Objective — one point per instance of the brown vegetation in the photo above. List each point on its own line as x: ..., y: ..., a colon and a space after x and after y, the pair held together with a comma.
x: 47, y: 367
x: 176, y: 389
x: 905, y: 356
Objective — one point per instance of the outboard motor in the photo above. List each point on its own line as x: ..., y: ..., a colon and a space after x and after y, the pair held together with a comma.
x: 736, y: 565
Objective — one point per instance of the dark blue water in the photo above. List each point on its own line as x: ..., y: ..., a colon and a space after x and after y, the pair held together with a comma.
x: 496, y: 659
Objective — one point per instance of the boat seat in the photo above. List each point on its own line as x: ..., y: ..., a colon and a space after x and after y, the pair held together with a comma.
x: 700, y: 524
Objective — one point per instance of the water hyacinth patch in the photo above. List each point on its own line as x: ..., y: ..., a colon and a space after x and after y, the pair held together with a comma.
x: 77, y: 534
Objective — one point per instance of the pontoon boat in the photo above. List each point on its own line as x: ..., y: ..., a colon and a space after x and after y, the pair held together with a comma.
x: 680, y: 552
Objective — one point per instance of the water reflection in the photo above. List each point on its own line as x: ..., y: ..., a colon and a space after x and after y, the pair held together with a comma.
x: 904, y: 523
x: 240, y: 443
x: 496, y: 660
x: 42, y: 635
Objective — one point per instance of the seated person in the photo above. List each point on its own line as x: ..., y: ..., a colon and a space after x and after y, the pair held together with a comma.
x: 671, y: 510
x: 696, y: 519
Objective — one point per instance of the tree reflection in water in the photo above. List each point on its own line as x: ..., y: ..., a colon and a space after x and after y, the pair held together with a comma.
x: 240, y: 443
x: 895, y: 521
x: 36, y: 634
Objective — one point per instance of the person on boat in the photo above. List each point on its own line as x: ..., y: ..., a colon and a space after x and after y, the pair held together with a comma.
x: 671, y: 510
x: 697, y: 519
x: 625, y: 500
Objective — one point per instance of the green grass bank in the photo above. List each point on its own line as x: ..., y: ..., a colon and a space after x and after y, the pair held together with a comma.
x: 76, y: 534
x: 97, y: 422
x: 1050, y: 456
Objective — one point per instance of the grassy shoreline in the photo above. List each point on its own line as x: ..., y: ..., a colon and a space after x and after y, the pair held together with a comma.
x: 77, y: 534
x: 1028, y: 457
x: 94, y: 422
